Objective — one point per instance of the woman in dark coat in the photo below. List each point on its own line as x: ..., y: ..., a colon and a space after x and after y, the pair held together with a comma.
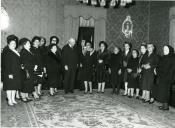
x: 29, y: 65
x: 39, y: 73
x: 53, y: 68
x: 132, y: 67
x: 115, y: 63
x: 88, y: 64
x: 43, y: 52
x: 12, y: 70
x: 142, y: 61
x: 102, y: 65
x: 125, y: 57
x: 55, y: 40
x: 164, y: 74
x: 148, y: 76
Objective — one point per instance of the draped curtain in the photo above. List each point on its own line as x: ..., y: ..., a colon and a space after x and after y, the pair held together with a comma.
x: 72, y: 15
x: 172, y: 27
x: 87, y: 22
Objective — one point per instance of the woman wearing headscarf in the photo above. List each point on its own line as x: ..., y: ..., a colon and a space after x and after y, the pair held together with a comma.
x: 165, y: 75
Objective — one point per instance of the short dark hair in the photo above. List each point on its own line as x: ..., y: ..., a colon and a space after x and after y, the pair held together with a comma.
x: 136, y: 51
x: 23, y: 41
x: 12, y: 38
x: 57, y: 42
x: 104, y: 43
x: 143, y: 44
x: 130, y: 45
x: 88, y: 43
x: 43, y: 39
x: 35, y: 38
x: 51, y: 46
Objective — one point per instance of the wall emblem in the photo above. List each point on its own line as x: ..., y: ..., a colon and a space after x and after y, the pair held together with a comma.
x: 127, y: 27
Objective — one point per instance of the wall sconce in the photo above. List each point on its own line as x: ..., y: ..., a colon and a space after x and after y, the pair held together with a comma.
x: 4, y: 19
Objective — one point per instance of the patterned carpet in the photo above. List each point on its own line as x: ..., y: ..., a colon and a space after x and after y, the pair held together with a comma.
x: 86, y: 111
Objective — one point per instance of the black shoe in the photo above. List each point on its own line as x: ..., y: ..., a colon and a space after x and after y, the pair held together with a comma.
x: 137, y: 97
x: 90, y: 92
x: 129, y: 96
x: 29, y: 99
x: 85, y: 92
x: 66, y: 92
x: 40, y: 94
x: 124, y: 95
x: 51, y: 94
x: 163, y: 108
x: 35, y: 98
x: 71, y: 91
x: 151, y: 102
x: 24, y: 100
x: 145, y: 101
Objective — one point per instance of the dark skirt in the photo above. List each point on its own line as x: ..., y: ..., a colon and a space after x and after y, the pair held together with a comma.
x: 28, y: 83
x: 124, y: 75
x: 53, y: 79
x: 148, y: 80
x: 114, y: 77
x: 37, y: 78
x: 101, y: 73
x: 163, y: 93
x: 87, y: 73
x: 133, y: 81
x: 12, y: 84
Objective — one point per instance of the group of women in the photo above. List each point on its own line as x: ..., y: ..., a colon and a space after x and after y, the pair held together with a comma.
x: 27, y: 65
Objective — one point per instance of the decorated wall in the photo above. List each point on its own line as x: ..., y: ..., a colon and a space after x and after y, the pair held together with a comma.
x: 159, y: 23
x: 35, y: 17
x: 139, y: 16
x: 46, y: 18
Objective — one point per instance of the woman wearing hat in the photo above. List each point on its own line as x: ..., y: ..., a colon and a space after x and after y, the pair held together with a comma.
x: 11, y: 70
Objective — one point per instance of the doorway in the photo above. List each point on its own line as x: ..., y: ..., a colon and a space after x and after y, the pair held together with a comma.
x: 87, y: 34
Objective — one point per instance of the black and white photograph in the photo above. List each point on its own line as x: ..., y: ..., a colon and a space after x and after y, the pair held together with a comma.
x: 87, y: 64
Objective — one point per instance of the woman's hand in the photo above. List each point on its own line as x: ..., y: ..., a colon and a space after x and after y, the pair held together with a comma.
x: 119, y: 71
x: 100, y: 61
x: 124, y: 63
x: 66, y: 67
x: 10, y: 76
x: 81, y: 65
x: 35, y: 68
x: 147, y: 66
x: 129, y: 70
x: 109, y: 71
x: 139, y: 70
x: 155, y: 71
x: 27, y: 75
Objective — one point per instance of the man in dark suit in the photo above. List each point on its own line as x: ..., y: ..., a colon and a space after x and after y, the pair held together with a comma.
x: 70, y: 63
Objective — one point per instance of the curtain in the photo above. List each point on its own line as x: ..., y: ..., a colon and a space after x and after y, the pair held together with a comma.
x: 71, y: 21
x: 172, y: 27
